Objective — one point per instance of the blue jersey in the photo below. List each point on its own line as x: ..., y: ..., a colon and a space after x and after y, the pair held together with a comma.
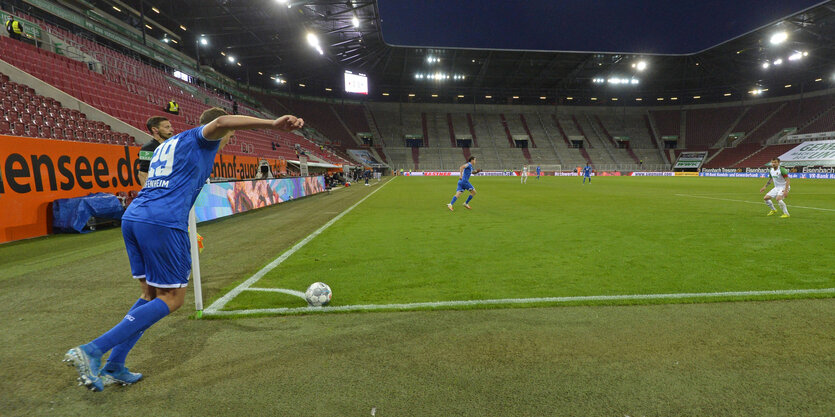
x: 468, y: 170
x: 538, y: 170
x: 178, y: 170
x: 587, y: 171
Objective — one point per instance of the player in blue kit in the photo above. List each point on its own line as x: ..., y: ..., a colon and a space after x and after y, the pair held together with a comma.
x: 538, y: 171
x: 464, y: 184
x: 586, y: 173
x: 154, y: 229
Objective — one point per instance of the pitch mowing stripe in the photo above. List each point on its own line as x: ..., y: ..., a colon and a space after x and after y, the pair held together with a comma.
x: 219, y: 303
x: 751, y: 202
x: 413, y: 306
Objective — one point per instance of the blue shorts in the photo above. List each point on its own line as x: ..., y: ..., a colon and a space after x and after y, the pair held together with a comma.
x: 464, y: 186
x: 161, y: 255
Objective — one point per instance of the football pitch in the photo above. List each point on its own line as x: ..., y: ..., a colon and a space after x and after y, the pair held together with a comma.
x: 556, y: 240
x: 600, y: 270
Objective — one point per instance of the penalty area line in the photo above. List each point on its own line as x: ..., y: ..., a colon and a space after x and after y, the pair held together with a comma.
x: 750, y: 202
x: 437, y: 304
x: 220, y: 302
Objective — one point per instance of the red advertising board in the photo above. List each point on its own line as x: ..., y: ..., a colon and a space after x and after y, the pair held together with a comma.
x: 35, y: 172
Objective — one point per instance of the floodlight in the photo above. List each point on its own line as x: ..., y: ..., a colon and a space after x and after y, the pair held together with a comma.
x: 778, y: 61
x: 230, y: 58
x: 795, y: 56
x: 312, y: 39
x: 204, y: 41
x: 641, y: 66
x: 328, y: 89
x: 355, y: 21
x: 766, y: 65
x: 779, y: 38
x: 634, y: 81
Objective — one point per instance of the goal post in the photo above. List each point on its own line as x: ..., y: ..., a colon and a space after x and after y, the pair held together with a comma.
x: 547, y: 169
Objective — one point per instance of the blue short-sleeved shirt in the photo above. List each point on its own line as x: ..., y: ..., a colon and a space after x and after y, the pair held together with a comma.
x: 468, y: 170
x: 178, y: 170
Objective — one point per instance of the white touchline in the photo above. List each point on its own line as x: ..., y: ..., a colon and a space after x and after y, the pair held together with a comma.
x: 219, y: 303
x: 368, y: 307
x: 750, y: 202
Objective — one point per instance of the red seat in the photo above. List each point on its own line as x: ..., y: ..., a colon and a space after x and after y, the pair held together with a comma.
x: 33, y: 131
x: 17, y: 129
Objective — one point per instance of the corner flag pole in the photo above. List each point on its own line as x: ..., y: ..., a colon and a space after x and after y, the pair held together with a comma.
x: 195, y: 262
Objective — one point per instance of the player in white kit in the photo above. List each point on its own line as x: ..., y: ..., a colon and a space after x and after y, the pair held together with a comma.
x: 780, y: 177
x: 524, y: 174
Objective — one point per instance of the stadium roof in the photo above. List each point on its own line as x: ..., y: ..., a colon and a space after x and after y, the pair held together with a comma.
x: 270, y: 38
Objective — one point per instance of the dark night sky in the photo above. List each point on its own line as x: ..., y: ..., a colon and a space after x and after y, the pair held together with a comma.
x: 645, y: 26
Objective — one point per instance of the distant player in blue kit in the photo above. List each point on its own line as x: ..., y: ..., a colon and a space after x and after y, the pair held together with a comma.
x: 586, y: 173
x: 464, y: 184
x: 154, y: 228
x: 538, y: 171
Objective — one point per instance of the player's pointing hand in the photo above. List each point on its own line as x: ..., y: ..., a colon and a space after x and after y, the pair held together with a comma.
x: 288, y: 123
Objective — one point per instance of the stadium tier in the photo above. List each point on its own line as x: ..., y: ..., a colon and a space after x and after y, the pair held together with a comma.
x: 404, y: 135
x: 131, y: 91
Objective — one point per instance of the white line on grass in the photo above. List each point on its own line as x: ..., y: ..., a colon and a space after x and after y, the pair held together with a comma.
x: 281, y: 290
x: 412, y: 306
x: 219, y: 303
x: 750, y: 202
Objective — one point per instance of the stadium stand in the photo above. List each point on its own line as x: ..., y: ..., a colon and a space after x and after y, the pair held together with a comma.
x: 131, y: 91
x: 612, y: 138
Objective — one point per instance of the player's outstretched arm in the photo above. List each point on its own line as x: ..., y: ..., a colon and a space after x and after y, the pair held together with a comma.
x: 221, y: 126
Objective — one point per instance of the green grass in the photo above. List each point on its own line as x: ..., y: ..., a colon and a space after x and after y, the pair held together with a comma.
x: 715, y: 359
x: 557, y: 237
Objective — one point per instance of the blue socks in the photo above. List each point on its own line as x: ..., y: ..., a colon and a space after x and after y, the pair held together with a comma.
x: 137, y: 320
x: 120, y: 352
x: 468, y: 199
x: 453, y: 200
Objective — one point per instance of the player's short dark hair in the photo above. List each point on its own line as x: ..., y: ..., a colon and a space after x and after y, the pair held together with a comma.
x: 154, y: 122
x: 470, y: 159
x: 211, y: 114
x: 775, y: 159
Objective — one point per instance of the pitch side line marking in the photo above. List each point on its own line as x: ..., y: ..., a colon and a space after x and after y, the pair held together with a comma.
x: 219, y: 303
x: 407, y: 306
x: 750, y: 202
x: 281, y: 290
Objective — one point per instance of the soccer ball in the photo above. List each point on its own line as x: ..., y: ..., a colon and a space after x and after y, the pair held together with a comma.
x: 318, y: 294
